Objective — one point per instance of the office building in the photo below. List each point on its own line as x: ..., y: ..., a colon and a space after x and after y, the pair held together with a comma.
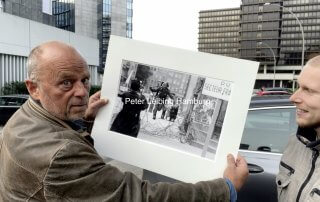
x: 64, y: 13
x: 36, y: 10
x: 15, y: 47
x: 269, y: 32
x: 114, y: 17
x: 219, y: 31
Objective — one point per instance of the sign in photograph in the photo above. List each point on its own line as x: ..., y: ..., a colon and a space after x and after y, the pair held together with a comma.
x: 172, y: 111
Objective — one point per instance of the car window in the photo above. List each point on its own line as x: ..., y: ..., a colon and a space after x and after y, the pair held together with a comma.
x: 12, y: 101
x: 268, y: 129
x: 2, y: 101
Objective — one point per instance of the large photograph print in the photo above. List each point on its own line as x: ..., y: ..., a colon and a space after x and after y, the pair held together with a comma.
x: 176, y: 109
x: 175, y: 112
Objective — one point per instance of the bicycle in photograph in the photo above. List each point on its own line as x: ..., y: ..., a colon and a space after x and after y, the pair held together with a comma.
x: 188, y: 137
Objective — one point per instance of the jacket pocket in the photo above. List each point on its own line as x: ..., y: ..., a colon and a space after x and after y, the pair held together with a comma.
x: 314, y: 195
x: 283, y: 179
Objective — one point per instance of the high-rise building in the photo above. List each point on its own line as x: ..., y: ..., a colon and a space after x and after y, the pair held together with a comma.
x: 29, y: 9
x: 269, y: 32
x: 78, y: 16
x: 15, y: 46
x: 64, y: 13
x: 219, y: 31
x: 114, y: 17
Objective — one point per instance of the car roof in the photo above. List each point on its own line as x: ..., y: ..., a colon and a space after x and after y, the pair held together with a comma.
x: 16, y: 95
x: 270, y: 101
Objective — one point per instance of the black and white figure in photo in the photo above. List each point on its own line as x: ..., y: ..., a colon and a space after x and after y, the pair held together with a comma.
x: 128, y: 119
x: 176, y: 109
x: 161, y: 93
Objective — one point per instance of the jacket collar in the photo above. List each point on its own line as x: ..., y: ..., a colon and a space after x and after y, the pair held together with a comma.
x: 78, y: 125
x: 308, y: 137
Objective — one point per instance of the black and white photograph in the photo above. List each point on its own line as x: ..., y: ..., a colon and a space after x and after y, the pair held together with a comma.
x: 171, y: 108
x: 172, y: 111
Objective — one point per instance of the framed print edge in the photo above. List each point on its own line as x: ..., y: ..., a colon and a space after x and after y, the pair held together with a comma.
x: 163, y: 159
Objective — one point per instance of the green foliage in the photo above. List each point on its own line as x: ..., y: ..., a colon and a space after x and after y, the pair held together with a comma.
x: 94, y: 89
x: 15, y: 87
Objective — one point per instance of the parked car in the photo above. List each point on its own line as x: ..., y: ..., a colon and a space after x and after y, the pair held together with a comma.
x: 270, y: 122
x: 289, y: 90
x: 9, y: 104
x: 273, y: 92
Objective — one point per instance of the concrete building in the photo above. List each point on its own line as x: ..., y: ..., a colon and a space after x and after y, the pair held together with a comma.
x: 15, y: 46
x: 35, y: 10
x: 114, y: 17
x: 219, y: 31
x: 96, y: 19
x: 268, y: 33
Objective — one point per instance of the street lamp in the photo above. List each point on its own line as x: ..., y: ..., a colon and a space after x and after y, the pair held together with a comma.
x: 301, y: 28
x: 274, y: 62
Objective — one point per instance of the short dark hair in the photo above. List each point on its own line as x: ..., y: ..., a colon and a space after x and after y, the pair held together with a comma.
x: 135, y: 85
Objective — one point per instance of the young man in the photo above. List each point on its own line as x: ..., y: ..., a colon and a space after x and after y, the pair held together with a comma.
x: 299, y: 172
x: 46, y: 155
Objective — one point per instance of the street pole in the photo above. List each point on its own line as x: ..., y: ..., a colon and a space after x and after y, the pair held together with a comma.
x: 301, y: 29
x: 274, y: 62
x: 302, y: 34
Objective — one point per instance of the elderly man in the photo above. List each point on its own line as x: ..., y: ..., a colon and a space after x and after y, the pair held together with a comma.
x: 47, y: 154
x: 299, y: 171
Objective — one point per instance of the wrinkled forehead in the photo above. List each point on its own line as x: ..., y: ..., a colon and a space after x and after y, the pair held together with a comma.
x: 56, y: 56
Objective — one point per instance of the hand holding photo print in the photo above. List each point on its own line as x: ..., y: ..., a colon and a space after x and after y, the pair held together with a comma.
x: 170, y: 107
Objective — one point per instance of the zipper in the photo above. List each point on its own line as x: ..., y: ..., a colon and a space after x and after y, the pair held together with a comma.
x: 315, y: 155
x: 315, y: 190
x: 287, y: 167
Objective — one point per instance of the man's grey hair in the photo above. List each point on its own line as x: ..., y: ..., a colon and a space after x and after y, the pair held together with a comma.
x: 314, y: 62
x: 32, y: 63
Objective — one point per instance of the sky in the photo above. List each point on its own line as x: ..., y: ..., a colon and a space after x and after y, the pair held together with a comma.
x: 172, y: 22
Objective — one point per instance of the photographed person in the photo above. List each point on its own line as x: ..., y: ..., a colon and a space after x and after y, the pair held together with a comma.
x: 162, y: 94
x: 46, y: 155
x: 128, y: 119
x: 299, y: 170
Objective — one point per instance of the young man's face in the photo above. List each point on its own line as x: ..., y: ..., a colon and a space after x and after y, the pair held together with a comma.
x: 307, y: 98
x: 64, y: 84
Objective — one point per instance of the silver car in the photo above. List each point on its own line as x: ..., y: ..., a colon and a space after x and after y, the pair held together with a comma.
x: 270, y: 122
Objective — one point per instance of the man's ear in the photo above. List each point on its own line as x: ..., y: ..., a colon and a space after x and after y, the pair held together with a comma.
x: 33, y: 89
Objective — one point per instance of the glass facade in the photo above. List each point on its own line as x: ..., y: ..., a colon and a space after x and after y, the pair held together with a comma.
x: 31, y: 10
x: 308, y: 12
x: 63, y: 10
x: 129, y: 18
x: 259, y: 28
x: 104, y: 30
x: 105, y: 14
x: 219, y: 32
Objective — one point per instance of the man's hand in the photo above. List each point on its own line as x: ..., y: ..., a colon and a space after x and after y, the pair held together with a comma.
x: 95, y: 103
x: 236, y: 171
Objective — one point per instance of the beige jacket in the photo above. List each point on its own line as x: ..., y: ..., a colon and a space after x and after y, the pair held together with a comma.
x: 299, y: 171
x: 44, y: 159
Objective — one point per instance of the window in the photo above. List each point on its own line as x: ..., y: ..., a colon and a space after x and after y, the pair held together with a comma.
x: 268, y: 129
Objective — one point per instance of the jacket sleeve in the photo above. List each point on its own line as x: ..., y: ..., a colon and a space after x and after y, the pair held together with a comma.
x: 78, y: 173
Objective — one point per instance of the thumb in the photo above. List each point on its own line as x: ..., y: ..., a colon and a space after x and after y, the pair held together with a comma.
x: 230, y: 160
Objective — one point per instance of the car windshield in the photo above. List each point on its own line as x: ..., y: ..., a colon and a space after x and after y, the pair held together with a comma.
x: 268, y: 129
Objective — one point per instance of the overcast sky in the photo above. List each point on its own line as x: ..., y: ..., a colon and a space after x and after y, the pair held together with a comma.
x: 172, y: 22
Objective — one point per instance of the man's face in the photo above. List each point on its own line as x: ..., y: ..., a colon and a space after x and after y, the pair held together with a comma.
x: 63, y: 85
x: 307, y: 98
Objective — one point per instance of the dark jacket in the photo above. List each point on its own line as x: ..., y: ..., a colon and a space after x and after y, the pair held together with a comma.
x: 43, y: 159
x: 162, y: 92
x: 299, y: 170
x: 127, y: 120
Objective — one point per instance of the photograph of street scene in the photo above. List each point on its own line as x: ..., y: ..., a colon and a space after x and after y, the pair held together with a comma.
x: 170, y: 108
